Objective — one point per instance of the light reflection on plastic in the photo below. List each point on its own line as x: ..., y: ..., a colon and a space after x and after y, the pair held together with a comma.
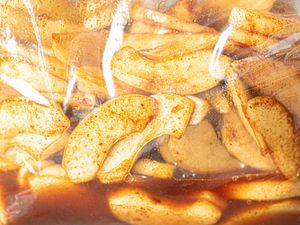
x: 150, y: 14
x: 114, y: 43
x: 296, y: 5
x: 25, y: 89
x: 41, y: 56
x: 213, y: 67
x: 20, y: 204
x: 284, y: 44
x: 71, y: 85
x: 28, y: 166
x: 10, y: 41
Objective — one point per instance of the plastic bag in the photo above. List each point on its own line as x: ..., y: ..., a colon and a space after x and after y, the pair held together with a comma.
x: 149, y: 112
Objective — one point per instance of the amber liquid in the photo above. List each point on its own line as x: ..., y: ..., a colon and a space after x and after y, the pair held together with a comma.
x: 86, y: 204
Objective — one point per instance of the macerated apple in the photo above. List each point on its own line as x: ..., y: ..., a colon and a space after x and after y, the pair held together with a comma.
x: 271, y: 119
x: 174, y: 113
x: 187, y: 74
x: 90, y: 142
x: 264, y: 23
x: 155, y: 169
x: 137, y: 207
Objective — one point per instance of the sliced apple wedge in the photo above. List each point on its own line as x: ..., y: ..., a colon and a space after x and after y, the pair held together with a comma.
x: 270, y: 118
x: 251, y: 39
x: 98, y: 14
x: 264, y: 23
x: 241, y: 145
x: 239, y: 94
x: 26, y: 171
x: 53, y: 8
x: 18, y: 68
x: 213, y: 13
x: 80, y: 49
x: 149, y: 42
x: 137, y: 207
x: 152, y: 168
x: 38, y: 146
x: 91, y: 81
x: 272, y: 212
x: 218, y: 99
x: 30, y: 54
x: 197, y: 143
x: 184, y: 10
x: 46, y: 183
x: 20, y: 116
x: 271, y: 77
x: 52, y: 176
x: 76, y: 99
x: 90, y: 142
x: 200, y: 110
x: 193, y: 73
x: 149, y: 16
x: 173, y: 117
x: 262, y: 190
x: 20, y: 24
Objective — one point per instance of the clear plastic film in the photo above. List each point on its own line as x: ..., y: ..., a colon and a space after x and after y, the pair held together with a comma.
x: 149, y: 112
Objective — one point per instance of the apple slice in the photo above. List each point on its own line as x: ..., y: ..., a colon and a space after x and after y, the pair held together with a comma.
x: 137, y: 207
x: 241, y: 145
x: 80, y: 49
x: 90, y: 142
x: 53, y: 8
x: 251, y: 39
x: 172, y: 118
x: 239, y: 94
x: 273, y: 212
x: 21, y: 116
x: 38, y: 146
x: 149, y: 16
x: 194, y: 72
x: 264, y: 23
x: 21, y: 26
x: 197, y: 143
x: 271, y: 77
x: 98, y: 14
x: 270, y: 118
x: 18, y: 68
x: 201, y: 109
x: 152, y: 168
x: 218, y: 98
x: 262, y: 190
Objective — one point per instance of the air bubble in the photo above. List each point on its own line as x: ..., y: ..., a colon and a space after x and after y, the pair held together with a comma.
x: 234, y: 178
x: 248, y: 177
x: 249, y: 202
